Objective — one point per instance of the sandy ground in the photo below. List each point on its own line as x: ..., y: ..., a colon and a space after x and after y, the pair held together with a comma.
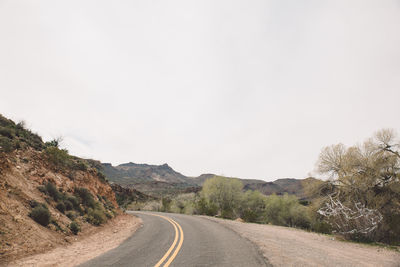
x: 284, y: 246
x: 86, y: 247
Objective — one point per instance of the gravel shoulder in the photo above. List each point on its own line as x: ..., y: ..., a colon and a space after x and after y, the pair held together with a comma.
x: 284, y: 246
x: 84, y: 248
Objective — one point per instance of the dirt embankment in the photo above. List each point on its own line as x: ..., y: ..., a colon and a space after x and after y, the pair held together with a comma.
x: 22, y: 172
x: 284, y: 246
x: 94, y: 243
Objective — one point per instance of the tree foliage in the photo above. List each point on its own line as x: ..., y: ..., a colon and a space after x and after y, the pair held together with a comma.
x: 368, y: 176
x: 224, y: 193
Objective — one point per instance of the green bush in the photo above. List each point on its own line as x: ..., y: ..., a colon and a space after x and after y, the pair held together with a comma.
x: 55, y: 223
x: 252, y: 206
x: 96, y: 216
x: 71, y: 215
x: 16, y: 136
x: 40, y: 214
x: 61, y: 207
x: 85, y: 196
x: 68, y: 205
x: 42, y: 189
x: 52, y: 191
x: 321, y: 227
x: 6, y: 144
x: 58, y: 157
x: 74, y: 227
x: 53, y: 143
x: 202, y: 206
x: 74, y: 201
x: 80, y: 165
x: 286, y: 211
x: 7, y: 132
x: 165, y: 204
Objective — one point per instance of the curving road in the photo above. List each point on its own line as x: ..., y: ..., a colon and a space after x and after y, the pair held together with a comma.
x: 181, y: 240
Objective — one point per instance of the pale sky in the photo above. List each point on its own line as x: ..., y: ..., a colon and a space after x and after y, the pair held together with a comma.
x: 251, y: 89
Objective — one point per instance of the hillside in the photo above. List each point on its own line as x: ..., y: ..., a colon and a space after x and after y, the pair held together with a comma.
x: 155, y: 180
x: 46, y: 195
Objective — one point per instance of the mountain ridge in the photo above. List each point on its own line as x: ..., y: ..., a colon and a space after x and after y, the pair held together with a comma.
x: 161, y: 179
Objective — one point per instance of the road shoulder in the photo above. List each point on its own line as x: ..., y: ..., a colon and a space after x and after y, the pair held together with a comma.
x: 105, y: 238
x: 284, y: 246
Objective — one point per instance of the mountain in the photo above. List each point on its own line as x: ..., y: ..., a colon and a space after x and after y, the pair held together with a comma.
x: 158, y: 180
x: 155, y: 180
x: 128, y: 172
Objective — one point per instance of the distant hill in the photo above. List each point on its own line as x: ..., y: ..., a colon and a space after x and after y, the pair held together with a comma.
x: 280, y: 186
x: 154, y: 180
x: 159, y: 180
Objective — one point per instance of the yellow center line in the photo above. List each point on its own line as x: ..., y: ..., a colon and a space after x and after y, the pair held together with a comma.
x: 177, y: 248
x: 177, y: 235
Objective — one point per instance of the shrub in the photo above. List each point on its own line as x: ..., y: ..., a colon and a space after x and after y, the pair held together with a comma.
x: 55, y: 223
x: 96, y: 216
x: 74, y: 201
x: 68, y: 205
x: 286, y: 211
x: 58, y: 157
x: 80, y: 165
x: 74, y: 227
x: 71, y: 215
x: 7, y: 132
x: 61, y: 207
x: 34, y: 203
x: 101, y: 176
x: 85, y: 196
x: 17, y: 136
x: 40, y: 214
x: 165, y: 204
x: 52, y: 191
x: 6, y: 144
x: 252, y: 206
x: 42, y: 189
x: 53, y: 143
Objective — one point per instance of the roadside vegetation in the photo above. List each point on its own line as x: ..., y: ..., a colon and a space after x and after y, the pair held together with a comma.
x: 360, y: 200
x: 79, y: 206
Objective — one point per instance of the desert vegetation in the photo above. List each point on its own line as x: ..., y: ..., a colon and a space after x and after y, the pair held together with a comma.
x: 81, y: 204
x: 224, y: 197
x: 360, y: 200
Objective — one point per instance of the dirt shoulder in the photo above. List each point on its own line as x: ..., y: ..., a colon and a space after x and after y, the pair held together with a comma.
x: 84, y: 248
x: 284, y: 246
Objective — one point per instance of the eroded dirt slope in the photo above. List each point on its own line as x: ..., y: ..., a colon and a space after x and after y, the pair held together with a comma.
x: 21, y: 173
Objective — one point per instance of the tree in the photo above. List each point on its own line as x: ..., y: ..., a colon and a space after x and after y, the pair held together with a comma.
x: 252, y: 206
x: 364, y: 181
x: 224, y: 193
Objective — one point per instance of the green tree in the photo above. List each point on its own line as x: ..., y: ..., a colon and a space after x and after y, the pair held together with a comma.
x: 224, y: 193
x: 253, y: 206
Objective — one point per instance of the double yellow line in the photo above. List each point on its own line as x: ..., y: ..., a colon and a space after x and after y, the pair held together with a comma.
x: 178, y: 236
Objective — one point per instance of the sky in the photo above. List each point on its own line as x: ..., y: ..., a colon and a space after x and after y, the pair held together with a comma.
x: 242, y: 88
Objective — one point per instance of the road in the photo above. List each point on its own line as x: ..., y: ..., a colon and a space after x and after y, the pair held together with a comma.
x: 180, y: 240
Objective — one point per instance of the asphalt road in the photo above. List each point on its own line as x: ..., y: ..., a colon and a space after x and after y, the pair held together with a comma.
x: 180, y: 240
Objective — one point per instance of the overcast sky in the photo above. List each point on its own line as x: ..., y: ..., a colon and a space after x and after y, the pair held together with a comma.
x: 248, y: 88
